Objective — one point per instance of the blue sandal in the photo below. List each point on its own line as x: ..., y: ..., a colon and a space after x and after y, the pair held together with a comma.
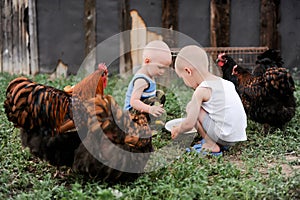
x: 198, y: 149
x: 204, y: 153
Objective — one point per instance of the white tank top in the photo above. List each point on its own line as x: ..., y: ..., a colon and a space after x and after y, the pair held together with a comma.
x: 225, y: 108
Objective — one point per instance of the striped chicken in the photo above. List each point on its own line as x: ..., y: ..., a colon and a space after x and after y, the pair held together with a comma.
x: 107, y: 143
x: 44, y: 115
x: 116, y: 148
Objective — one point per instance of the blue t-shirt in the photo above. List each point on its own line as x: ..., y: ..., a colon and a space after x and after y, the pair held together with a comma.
x: 150, y: 91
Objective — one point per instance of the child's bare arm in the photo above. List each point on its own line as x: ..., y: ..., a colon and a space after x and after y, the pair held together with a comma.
x: 193, y: 111
x: 139, y: 86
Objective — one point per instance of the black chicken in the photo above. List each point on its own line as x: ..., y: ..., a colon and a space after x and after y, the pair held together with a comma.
x: 226, y: 64
x: 267, y: 96
x: 270, y: 58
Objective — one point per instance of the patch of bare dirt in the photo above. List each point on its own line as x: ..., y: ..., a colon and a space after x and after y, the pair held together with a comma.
x: 290, y: 164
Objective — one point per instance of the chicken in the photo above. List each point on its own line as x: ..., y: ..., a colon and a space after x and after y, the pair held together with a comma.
x: 106, y: 144
x: 226, y: 64
x: 267, y: 96
x: 270, y: 58
x: 116, y: 148
x: 44, y: 115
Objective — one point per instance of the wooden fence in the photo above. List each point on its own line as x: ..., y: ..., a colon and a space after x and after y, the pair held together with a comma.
x: 18, y: 40
x: 244, y: 56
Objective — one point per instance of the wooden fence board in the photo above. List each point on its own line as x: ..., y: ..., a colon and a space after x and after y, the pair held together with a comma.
x: 14, y: 40
x: 169, y: 21
x: 7, y: 36
x: 16, y: 69
x: 269, y: 20
x: 90, y: 25
x: 219, y: 23
x: 1, y: 34
x: 24, y: 33
x: 33, y: 49
x: 125, y: 57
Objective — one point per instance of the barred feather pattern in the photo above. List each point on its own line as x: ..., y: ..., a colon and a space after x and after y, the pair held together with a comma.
x: 111, y: 131
x: 41, y: 112
x: 45, y: 117
x: 29, y: 104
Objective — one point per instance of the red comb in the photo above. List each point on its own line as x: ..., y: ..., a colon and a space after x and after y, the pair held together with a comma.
x: 102, y: 66
x: 220, y: 56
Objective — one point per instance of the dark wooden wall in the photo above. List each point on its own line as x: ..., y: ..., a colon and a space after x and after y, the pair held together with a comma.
x: 61, y: 34
x: 244, y: 23
x: 67, y: 31
x: 194, y: 20
x: 289, y: 29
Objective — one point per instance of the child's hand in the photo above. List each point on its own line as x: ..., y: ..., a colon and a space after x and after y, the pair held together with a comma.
x: 156, y: 111
x: 175, y: 132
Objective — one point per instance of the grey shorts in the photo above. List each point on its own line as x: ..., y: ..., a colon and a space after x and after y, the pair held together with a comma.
x: 213, y: 131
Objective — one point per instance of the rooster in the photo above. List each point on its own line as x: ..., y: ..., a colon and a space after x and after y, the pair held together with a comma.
x: 106, y: 144
x: 267, y: 96
x: 45, y: 118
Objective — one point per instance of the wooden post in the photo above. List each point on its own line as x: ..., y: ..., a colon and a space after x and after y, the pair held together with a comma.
x: 219, y: 28
x: 90, y: 32
x: 16, y: 68
x: 33, y: 42
x: 169, y: 20
x: 1, y: 35
x: 125, y: 54
x: 269, y: 20
x: 24, y: 38
x: 90, y: 25
x: 7, y: 36
x: 220, y: 23
x: 20, y: 53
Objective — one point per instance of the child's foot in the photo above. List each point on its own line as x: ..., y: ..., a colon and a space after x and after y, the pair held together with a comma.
x: 222, y: 148
x: 206, y: 149
x: 213, y: 147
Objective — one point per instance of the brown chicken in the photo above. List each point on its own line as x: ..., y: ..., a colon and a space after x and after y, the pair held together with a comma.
x: 116, y: 148
x: 267, y: 95
x: 106, y: 144
x: 44, y: 115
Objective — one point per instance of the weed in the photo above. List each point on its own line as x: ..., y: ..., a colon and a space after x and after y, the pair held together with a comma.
x: 260, y: 168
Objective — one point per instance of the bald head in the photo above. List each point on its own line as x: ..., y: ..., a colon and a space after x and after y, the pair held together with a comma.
x: 158, y: 52
x: 192, y: 56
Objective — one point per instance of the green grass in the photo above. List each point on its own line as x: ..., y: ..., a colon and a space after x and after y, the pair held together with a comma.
x: 264, y: 167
